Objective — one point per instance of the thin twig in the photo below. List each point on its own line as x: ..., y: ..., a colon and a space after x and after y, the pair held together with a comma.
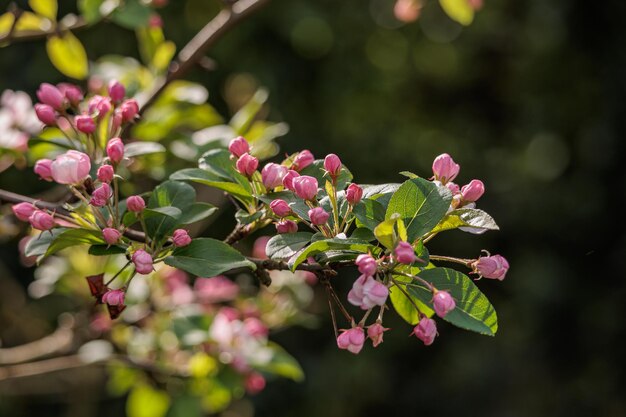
x: 32, y: 35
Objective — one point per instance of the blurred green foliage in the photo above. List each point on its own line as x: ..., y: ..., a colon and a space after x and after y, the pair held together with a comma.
x: 529, y: 98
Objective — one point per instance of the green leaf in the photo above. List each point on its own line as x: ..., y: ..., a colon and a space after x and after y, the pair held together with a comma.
x: 170, y: 193
x: 38, y: 246
x: 286, y: 245
x: 205, y: 257
x: 105, y: 250
x: 363, y: 233
x: 316, y: 169
x: 131, y: 14
x: 420, y: 204
x: 145, y: 401
x: 203, y: 177
x: 409, y: 174
x: 74, y: 237
x: 169, y: 211
x: 458, y: 10
x: 466, y: 217
x: 90, y: 10
x: 283, y: 364
x: 243, y: 217
x: 163, y: 55
x: 186, y: 406
x: 45, y: 8
x: 68, y: 55
x: 142, y: 148
x: 197, y: 212
x: 386, y: 234
x: 369, y: 213
x: 242, y: 120
x: 473, y: 310
x: 403, y: 305
x: 297, y: 205
x: 329, y: 244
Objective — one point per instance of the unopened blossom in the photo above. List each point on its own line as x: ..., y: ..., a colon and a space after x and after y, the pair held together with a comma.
x: 43, y: 168
x: 375, y: 333
x: 115, y: 150
x: 23, y: 211
x: 305, y: 187
x: 41, y: 220
x: 367, y: 292
x: 116, y: 91
x: 101, y: 195
x: 453, y: 187
x: 492, y: 266
x: 215, y: 290
x: 181, y: 238
x: 84, y: 123
x: 404, y: 253
x: 99, y: 106
x: 351, y: 340
x: 426, y: 330
x: 354, y: 194
x: 367, y: 264
x: 318, y: 216
x: 272, y: 175
x: 46, y: 114
x: 129, y: 109
x: 255, y: 383
x: 72, y: 167
x: 303, y: 160
x: 105, y: 173
x: 280, y: 208
x: 111, y: 236
x: 142, y: 261
x: 50, y: 95
x: 445, y: 169
x: 473, y: 191
x: 288, y: 179
x: 258, y: 249
x: 71, y: 92
x: 286, y: 226
x: 135, y: 204
x: 247, y: 164
x: 332, y: 165
x: 239, y: 146
x: 113, y: 297
x: 443, y: 303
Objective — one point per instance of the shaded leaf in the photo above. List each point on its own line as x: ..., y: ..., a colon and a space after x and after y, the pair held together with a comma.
x: 142, y: 148
x: 328, y: 244
x: 286, y: 245
x: 207, y: 257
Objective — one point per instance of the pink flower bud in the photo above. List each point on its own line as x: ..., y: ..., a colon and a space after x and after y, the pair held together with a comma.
x: 352, y: 340
x: 473, y: 191
x: 255, y: 327
x: 239, y: 146
x: 46, y: 114
x: 247, y: 164
x: 115, y: 150
x: 135, y: 204
x: 272, y: 175
x: 354, y: 193
x: 105, y: 173
x: 72, y: 167
x: 23, y: 211
x: 404, y: 253
x: 99, y: 105
x: 367, y: 265
x: 332, y: 164
x: 407, y: 11
x: 129, y: 109
x: 443, y: 303
x: 41, y: 220
x: 50, y: 95
x: 305, y: 187
x: 280, y: 208
x: 303, y: 160
x: 116, y: 91
x: 494, y: 266
x: 111, y: 236
x: 142, y: 261
x: 43, y: 168
x: 255, y: 383
x: 101, y: 195
x: 453, y: 187
x: 181, y: 238
x: 445, y: 169
x: 288, y: 179
x: 318, y: 216
x: 366, y: 293
x: 85, y: 124
x: 286, y: 226
x: 113, y: 297
x: 72, y: 93
x: 258, y: 249
x: 426, y: 330
x: 375, y: 333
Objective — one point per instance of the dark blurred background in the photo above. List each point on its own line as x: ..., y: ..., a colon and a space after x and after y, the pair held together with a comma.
x: 530, y: 99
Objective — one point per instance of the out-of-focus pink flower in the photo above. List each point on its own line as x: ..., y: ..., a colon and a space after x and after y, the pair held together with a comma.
x: 23, y: 211
x: 129, y: 109
x: 258, y: 249
x: 426, y: 330
x: 302, y: 160
x: 354, y: 193
x: 46, y: 114
x: 99, y: 106
x: 352, y: 340
x: 116, y: 91
x: 476, y: 4
x: 43, y: 168
x: 72, y: 93
x: 72, y: 167
x: 256, y: 327
x: 367, y: 292
x: 215, y: 290
x: 239, y: 146
x: 407, y: 10
x: 255, y: 383
x: 272, y: 175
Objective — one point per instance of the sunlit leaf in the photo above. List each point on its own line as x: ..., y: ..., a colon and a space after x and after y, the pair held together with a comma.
x: 458, y: 10
x: 46, y: 8
x: 68, y: 55
x: 145, y: 401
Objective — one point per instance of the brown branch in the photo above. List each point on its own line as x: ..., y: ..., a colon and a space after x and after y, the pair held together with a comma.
x: 59, y: 341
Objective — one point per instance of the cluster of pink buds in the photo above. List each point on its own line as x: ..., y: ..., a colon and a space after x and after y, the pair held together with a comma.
x: 445, y: 170
x: 38, y: 219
